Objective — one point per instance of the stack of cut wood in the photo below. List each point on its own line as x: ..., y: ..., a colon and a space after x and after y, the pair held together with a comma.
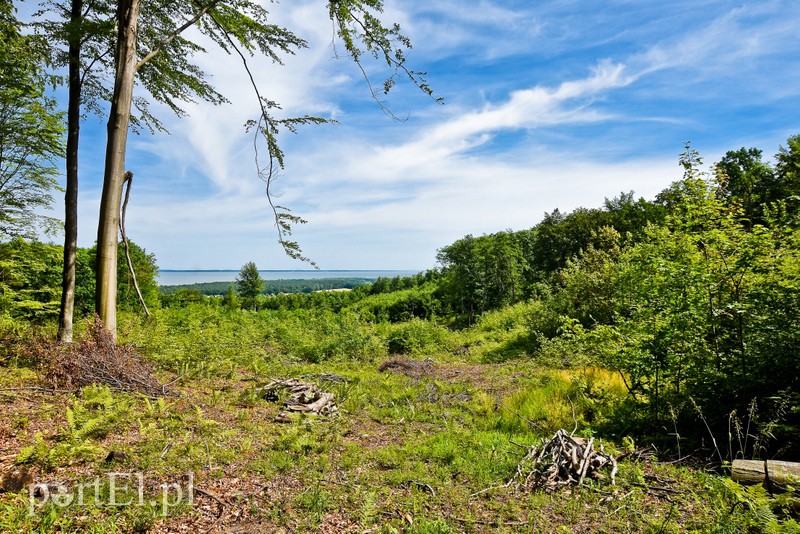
x: 563, y: 460
x: 303, y: 396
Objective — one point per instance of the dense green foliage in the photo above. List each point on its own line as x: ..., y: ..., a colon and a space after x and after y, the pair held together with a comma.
x: 30, y: 279
x: 30, y: 131
x: 491, y: 271
x: 146, y: 269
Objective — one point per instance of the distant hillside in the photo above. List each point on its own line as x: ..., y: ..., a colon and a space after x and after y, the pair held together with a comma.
x: 273, y: 287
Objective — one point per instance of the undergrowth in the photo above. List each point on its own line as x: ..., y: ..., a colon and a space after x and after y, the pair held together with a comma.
x: 425, y: 441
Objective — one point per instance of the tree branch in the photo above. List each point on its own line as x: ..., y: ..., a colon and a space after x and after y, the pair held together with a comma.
x: 129, y: 180
x: 169, y: 38
x: 269, y: 174
x: 88, y: 68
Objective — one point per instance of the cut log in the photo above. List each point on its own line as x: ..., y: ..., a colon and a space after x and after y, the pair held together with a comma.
x: 758, y: 471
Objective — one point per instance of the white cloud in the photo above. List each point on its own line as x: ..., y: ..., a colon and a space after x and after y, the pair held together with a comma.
x: 380, y: 194
x: 727, y: 44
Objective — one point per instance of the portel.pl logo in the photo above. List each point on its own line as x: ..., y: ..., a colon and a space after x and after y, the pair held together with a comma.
x: 112, y: 489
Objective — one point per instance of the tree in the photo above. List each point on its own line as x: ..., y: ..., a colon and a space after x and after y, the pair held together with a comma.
x: 229, y: 301
x: 702, y: 310
x: 69, y: 270
x: 29, y: 279
x: 745, y: 180
x: 234, y: 25
x: 788, y: 170
x: 481, y: 274
x: 249, y: 285
x: 30, y: 131
x: 78, y: 36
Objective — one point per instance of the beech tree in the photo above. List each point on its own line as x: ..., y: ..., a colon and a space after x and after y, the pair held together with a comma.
x: 85, y: 30
x: 238, y: 27
x: 87, y: 37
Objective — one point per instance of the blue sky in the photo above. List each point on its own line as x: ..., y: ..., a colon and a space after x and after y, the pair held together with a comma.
x: 548, y: 105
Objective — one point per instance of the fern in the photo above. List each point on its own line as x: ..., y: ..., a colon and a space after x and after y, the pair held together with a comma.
x: 97, y: 414
x: 71, y: 424
x: 761, y: 512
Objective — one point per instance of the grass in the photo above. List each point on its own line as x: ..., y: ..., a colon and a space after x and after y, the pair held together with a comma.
x: 424, y: 453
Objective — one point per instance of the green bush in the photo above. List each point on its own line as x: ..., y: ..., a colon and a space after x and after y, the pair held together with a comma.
x: 417, y: 337
x: 399, y: 306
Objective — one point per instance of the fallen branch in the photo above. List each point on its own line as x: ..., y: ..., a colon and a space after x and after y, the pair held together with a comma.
x: 129, y: 180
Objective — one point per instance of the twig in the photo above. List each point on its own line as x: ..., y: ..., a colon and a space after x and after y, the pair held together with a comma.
x: 656, y: 488
x: 490, y: 488
x: 521, y: 446
x: 222, y: 505
x: 166, y: 385
x: 574, y: 419
x: 585, y: 462
x: 424, y: 487
x: 679, y: 460
x: 534, y: 425
x: 166, y: 449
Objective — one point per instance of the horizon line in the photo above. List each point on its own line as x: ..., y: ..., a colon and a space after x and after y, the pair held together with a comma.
x: 289, y: 270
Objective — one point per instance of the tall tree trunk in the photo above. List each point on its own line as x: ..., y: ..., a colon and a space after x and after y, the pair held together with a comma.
x: 71, y: 194
x: 114, y: 174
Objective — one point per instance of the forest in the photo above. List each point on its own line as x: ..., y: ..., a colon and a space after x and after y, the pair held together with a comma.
x: 601, y: 371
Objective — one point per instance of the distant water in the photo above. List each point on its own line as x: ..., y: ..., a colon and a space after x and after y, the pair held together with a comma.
x: 167, y: 277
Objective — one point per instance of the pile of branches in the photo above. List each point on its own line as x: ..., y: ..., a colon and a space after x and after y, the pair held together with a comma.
x: 303, y: 396
x: 95, y: 359
x: 562, y: 461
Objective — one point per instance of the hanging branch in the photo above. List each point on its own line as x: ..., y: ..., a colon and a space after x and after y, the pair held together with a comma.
x: 129, y: 181
x: 383, y: 44
x: 268, y: 127
x: 355, y: 23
